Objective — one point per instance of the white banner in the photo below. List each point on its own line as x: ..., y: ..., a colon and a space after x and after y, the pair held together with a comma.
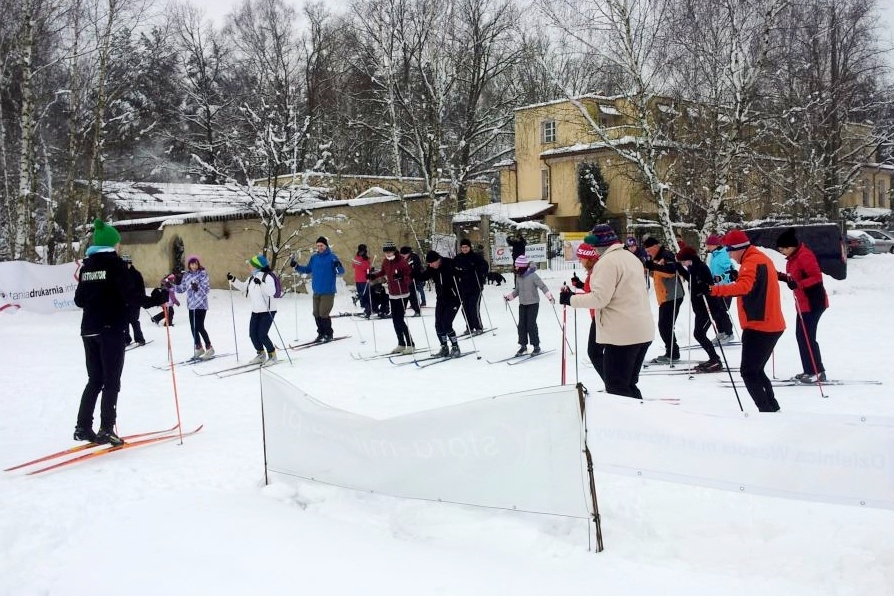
x: 803, y: 456
x: 519, y: 451
x: 40, y: 288
x: 502, y: 255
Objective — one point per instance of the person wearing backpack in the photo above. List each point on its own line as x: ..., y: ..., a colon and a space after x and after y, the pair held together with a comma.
x: 323, y: 267
x: 261, y: 288
x: 196, y: 286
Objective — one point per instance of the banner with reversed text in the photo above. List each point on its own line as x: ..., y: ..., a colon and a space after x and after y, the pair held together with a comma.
x: 832, y: 459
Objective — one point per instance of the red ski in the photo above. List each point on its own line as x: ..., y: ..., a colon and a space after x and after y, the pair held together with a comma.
x: 108, y: 450
x: 85, y: 446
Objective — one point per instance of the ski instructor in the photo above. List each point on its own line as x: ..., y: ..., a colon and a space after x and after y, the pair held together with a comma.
x: 102, y: 293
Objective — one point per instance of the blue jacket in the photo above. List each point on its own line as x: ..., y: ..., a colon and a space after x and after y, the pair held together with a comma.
x: 323, y: 267
x: 720, y: 265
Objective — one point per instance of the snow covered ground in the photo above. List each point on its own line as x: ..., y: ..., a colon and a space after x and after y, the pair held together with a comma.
x: 197, y: 519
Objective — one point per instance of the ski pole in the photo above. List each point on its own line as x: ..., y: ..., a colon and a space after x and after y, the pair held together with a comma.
x: 164, y: 309
x: 723, y: 354
x: 809, y: 343
x: 576, y: 363
x: 285, y: 346
x: 562, y: 326
x: 462, y: 308
x: 490, y: 323
x: 233, y: 315
x: 564, y: 340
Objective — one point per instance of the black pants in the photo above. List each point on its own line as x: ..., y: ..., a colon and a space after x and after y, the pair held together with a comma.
x: 757, y: 346
x: 720, y: 312
x: 413, y: 298
x: 104, y: 355
x: 667, y: 316
x: 363, y: 296
x: 471, y: 300
x: 133, y: 320
x: 159, y: 317
x: 807, y: 346
x: 445, y: 312
x: 400, y: 324
x: 621, y: 366
x: 596, y: 351
x: 259, y: 329
x: 527, y: 325
x: 197, y: 326
x: 701, y: 326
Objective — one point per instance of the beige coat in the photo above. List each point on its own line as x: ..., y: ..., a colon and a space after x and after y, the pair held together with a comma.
x: 621, y: 299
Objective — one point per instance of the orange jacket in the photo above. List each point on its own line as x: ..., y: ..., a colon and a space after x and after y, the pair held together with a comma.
x: 760, y: 307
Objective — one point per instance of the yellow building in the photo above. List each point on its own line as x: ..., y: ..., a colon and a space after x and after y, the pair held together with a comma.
x: 553, y: 139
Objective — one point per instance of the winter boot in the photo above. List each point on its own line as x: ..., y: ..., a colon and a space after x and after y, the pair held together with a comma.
x: 209, y: 353
x: 522, y: 350
x: 813, y: 379
x: 535, y: 351
x: 259, y: 359
x: 271, y: 359
x: 710, y: 366
x: 444, y: 353
x: 397, y: 350
x: 198, y: 353
x: 108, y: 436
x: 84, y: 434
x: 409, y: 349
x: 454, y: 351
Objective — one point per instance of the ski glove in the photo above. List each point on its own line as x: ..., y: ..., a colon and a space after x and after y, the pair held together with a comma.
x: 576, y: 282
x: 230, y: 276
x: 565, y: 296
x: 791, y: 283
x: 194, y: 286
x: 733, y: 275
x: 257, y: 280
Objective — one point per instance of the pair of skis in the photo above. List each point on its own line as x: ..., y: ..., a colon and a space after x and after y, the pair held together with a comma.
x: 191, y: 361
x: 384, y: 355
x: 134, y: 345
x: 519, y: 358
x: 829, y: 382
x: 94, y: 450
x: 312, y: 344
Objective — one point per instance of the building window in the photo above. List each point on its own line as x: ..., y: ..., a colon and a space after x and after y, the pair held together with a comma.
x: 867, y: 193
x: 880, y: 194
x: 548, y: 131
x: 544, y: 184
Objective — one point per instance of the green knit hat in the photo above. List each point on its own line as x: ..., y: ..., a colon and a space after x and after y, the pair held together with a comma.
x: 104, y: 234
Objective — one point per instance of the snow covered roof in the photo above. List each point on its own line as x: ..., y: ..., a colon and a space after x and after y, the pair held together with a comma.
x: 565, y: 99
x: 585, y: 147
x: 504, y: 211
x: 164, y: 198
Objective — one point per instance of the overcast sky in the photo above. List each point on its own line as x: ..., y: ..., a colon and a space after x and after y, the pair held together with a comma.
x: 218, y: 9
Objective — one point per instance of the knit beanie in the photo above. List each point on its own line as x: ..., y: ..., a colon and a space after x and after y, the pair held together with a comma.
x: 650, y: 242
x: 193, y: 259
x: 432, y: 256
x: 687, y: 253
x: 605, y: 236
x: 104, y: 234
x: 522, y: 262
x: 787, y: 239
x: 405, y: 250
x: 259, y: 262
x: 389, y: 247
x: 736, y: 240
x: 465, y: 242
x: 631, y: 241
x: 714, y: 240
x: 323, y: 240
x: 585, y: 251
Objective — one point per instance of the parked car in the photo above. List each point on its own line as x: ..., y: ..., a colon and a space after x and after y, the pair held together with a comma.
x: 858, y: 243
x: 882, y: 241
x: 825, y: 240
